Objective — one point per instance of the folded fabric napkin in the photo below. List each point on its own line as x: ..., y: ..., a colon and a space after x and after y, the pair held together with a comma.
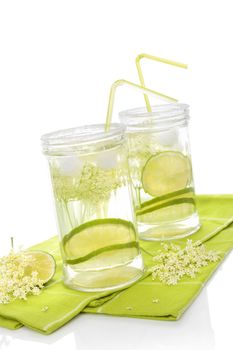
x: 57, y: 304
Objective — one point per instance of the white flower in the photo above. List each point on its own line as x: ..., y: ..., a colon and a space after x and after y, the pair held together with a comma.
x: 173, y: 262
x: 14, y: 284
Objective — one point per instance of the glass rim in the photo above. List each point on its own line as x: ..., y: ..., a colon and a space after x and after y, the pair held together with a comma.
x: 79, y: 138
x: 162, y: 116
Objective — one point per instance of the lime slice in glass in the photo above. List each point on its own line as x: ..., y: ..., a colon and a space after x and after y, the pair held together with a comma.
x: 172, y: 210
x: 104, y: 241
x: 166, y: 172
x: 43, y: 263
x: 187, y: 192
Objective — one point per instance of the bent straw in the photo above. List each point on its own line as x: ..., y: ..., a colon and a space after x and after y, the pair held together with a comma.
x: 157, y: 59
x: 121, y: 82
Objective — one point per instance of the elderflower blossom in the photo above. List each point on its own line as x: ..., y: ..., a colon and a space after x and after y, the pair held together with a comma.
x: 93, y: 184
x: 141, y: 148
x: 173, y: 262
x: 14, y: 282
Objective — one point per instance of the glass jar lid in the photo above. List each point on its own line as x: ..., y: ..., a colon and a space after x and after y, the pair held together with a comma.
x: 84, y: 139
x: 162, y: 117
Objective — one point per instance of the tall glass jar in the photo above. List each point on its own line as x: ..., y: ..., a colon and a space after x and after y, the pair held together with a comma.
x: 161, y: 171
x: 96, y: 222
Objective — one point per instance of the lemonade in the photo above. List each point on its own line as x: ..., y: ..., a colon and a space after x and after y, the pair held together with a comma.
x: 161, y: 171
x: 98, y: 239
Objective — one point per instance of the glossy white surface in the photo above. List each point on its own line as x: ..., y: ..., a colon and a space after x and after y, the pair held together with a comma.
x: 206, y: 325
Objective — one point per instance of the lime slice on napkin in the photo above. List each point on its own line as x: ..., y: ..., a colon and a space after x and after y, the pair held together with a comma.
x: 43, y: 263
x: 166, y: 172
x: 109, y: 239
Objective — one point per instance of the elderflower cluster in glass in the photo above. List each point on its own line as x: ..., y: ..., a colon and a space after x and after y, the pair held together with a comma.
x: 161, y: 171
x: 96, y: 222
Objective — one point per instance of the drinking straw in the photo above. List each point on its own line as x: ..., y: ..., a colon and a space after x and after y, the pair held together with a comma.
x: 121, y: 82
x: 157, y: 59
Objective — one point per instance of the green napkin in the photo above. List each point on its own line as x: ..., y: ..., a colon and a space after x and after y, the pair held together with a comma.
x: 57, y: 304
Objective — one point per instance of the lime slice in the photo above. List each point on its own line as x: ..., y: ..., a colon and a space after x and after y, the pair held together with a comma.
x: 43, y: 263
x: 107, y: 256
x: 118, y: 276
x: 184, y: 193
x: 176, y: 209
x: 104, y: 238
x: 166, y: 172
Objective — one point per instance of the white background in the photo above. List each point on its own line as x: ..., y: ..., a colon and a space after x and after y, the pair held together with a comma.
x: 58, y: 60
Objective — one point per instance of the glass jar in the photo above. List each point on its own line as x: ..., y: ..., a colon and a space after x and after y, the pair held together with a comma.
x: 98, y: 238
x: 161, y: 171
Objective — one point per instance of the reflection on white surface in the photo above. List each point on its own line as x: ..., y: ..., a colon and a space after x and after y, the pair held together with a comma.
x: 4, y: 341
x: 191, y: 332
x: 105, y: 332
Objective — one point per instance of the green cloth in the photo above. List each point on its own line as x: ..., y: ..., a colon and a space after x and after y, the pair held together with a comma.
x: 62, y: 303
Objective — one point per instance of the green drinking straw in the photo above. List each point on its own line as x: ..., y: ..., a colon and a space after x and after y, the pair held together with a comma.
x: 143, y: 89
x: 157, y: 59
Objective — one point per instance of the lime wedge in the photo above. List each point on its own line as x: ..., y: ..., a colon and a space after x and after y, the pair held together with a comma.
x: 172, y: 210
x: 43, y: 263
x: 166, y: 172
x: 109, y: 239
